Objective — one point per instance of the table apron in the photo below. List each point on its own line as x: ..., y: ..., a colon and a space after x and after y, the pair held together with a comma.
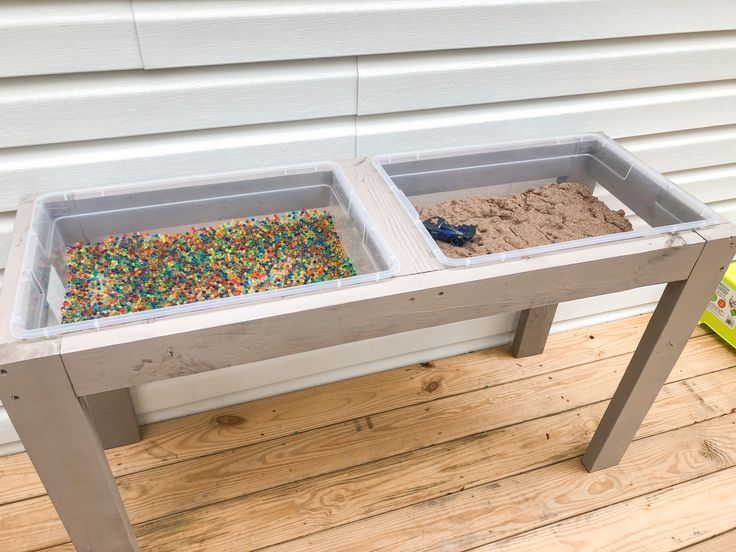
x: 200, y: 350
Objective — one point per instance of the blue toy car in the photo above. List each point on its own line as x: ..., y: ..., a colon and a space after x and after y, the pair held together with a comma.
x: 440, y: 229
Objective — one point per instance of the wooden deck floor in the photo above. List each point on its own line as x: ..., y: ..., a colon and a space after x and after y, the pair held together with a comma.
x: 475, y: 452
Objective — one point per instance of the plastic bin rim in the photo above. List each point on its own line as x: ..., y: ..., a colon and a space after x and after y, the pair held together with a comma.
x: 420, y: 155
x: 206, y: 178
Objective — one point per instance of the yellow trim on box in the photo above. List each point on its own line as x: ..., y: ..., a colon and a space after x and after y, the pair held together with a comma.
x: 712, y: 321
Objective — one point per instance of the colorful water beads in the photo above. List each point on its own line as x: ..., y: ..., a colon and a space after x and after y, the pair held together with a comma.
x: 140, y: 271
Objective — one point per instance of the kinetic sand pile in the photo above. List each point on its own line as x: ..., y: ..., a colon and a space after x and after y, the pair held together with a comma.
x: 138, y: 272
x: 539, y: 216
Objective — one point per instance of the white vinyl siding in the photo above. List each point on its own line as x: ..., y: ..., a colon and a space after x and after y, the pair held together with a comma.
x: 89, y: 106
x: 428, y: 80
x: 177, y: 33
x: 104, y: 92
x: 66, y: 36
x: 621, y: 114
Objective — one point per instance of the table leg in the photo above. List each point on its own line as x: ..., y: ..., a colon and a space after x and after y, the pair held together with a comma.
x: 65, y: 450
x: 532, y: 331
x: 665, y: 337
x: 113, y: 416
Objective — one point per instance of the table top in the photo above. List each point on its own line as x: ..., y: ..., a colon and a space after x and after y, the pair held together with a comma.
x: 420, y: 273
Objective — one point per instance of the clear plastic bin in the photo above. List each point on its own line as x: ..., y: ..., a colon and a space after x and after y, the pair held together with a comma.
x: 653, y: 204
x: 60, y: 219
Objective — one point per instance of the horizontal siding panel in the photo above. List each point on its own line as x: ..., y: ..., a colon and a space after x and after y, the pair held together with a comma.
x: 9, y: 441
x: 465, y: 77
x: 66, y: 37
x: 4, y: 434
x: 619, y: 114
x: 727, y: 209
x: 4, y: 248
x: 710, y: 184
x: 7, y: 449
x: 6, y: 231
x: 65, y: 108
x: 176, y: 33
x: 678, y: 151
x: 104, y: 162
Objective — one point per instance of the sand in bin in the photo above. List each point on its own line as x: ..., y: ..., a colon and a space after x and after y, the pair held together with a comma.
x: 549, y: 214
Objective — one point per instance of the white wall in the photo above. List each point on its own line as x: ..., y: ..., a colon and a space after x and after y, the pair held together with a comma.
x: 102, y: 92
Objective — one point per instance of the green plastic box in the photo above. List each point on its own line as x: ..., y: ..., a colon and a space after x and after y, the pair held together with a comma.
x: 720, y: 315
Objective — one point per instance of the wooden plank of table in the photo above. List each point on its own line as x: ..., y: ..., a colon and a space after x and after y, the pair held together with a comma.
x: 532, y: 330
x: 273, y: 417
x: 113, y: 416
x: 388, y: 214
x: 269, y: 516
x: 666, y: 335
x: 67, y: 454
x: 54, y: 428
x: 125, y: 356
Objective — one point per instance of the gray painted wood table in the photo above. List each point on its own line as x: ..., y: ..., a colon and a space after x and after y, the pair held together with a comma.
x: 68, y: 397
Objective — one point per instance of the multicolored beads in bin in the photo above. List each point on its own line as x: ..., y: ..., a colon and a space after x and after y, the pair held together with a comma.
x: 140, y: 271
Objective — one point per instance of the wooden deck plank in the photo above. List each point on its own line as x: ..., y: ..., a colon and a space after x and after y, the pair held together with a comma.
x: 289, y: 512
x: 719, y: 543
x: 66, y: 547
x: 219, y: 430
x: 663, y: 520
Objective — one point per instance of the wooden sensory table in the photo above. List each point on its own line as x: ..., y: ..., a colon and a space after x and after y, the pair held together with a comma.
x: 68, y: 396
